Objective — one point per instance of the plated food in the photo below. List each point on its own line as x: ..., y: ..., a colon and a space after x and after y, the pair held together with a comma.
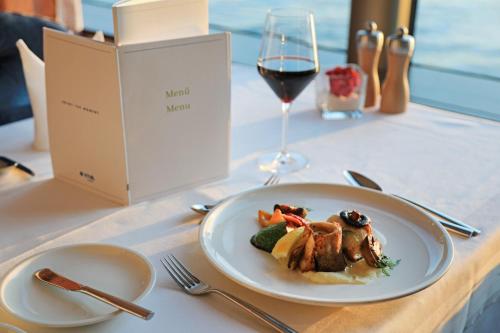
x: 341, y: 249
x: 405, y: 232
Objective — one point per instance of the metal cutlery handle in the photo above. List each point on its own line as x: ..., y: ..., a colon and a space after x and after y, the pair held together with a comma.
x: 474, y: 231
x: 357, y: 179
x: 270, y: 320
x: 458, y: 229
x: 121, y: 304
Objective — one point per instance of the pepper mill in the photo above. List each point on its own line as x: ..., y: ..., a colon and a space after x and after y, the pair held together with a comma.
x: 396, y: 90
x: 369, y: 44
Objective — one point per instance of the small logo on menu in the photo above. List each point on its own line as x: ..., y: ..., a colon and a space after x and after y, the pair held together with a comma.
x: 90, y: 178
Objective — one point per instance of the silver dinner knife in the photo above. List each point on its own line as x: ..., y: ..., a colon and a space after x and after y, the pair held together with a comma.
x: 358, y: 179
x: 52, y: 278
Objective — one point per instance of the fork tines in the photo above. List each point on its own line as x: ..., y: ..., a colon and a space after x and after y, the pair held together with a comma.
x: 179, y: 273
x: 274, y: 179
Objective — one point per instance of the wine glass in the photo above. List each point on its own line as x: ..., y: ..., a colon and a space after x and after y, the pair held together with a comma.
x: 288, y: 62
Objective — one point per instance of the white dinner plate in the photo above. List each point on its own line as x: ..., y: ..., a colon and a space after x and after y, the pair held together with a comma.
x: 116, y: 270
x: 407, y: 233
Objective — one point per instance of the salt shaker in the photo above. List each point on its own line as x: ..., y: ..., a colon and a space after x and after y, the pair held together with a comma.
x: 369, y: 43
x: 396, y: 90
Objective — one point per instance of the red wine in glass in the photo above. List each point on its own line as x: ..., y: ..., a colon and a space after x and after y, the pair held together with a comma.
x: 287, y: 84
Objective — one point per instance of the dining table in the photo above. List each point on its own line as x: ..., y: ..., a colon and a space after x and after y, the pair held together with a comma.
x: 443, y: 159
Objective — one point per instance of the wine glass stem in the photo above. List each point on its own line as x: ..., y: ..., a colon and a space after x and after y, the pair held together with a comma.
x: 285, y: 107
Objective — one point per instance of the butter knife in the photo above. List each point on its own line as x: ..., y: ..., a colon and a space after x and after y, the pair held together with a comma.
x: 48, y: 276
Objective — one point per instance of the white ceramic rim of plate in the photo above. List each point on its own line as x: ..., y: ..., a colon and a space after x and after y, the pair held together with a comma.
x: 448, y: 245
x: 12, y: 328
x: 83, y: 322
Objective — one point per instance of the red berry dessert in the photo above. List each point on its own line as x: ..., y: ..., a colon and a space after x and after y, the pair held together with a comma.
x: 343, y: 81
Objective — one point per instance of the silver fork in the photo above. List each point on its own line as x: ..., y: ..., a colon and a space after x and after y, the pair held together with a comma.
x: 191, y: 285
x: 205, y: 208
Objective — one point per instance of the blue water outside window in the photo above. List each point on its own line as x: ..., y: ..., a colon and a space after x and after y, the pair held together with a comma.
x: 456, y: 65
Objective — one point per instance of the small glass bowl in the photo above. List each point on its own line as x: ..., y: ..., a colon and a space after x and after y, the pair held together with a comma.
x: 341, y: 92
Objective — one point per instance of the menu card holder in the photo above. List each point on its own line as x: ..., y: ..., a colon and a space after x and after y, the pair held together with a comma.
x: 133, y: 122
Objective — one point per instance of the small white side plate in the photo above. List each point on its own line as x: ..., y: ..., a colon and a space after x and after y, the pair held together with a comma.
x: 113, y: 269
x: 422, y: 244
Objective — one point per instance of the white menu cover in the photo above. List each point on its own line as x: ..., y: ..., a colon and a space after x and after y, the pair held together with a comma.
x: 139, y: 21
x: 176, y: 108
x: 84, y: 114
x: 133, y: 122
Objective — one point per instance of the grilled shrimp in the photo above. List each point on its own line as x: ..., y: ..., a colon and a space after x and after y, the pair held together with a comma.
x: 307, y: 263
x: 297, y: 251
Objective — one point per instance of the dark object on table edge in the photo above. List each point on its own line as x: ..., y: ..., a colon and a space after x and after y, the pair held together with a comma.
x: 14, y: 100
x: 6, y: 162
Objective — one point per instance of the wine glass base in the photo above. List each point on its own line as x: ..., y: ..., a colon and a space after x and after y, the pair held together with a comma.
x: 282, y: 163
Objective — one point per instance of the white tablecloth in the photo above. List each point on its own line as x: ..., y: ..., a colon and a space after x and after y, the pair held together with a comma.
x: 446, y: 160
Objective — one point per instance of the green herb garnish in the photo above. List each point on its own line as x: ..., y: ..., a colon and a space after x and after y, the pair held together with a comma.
x: 387, y: 264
